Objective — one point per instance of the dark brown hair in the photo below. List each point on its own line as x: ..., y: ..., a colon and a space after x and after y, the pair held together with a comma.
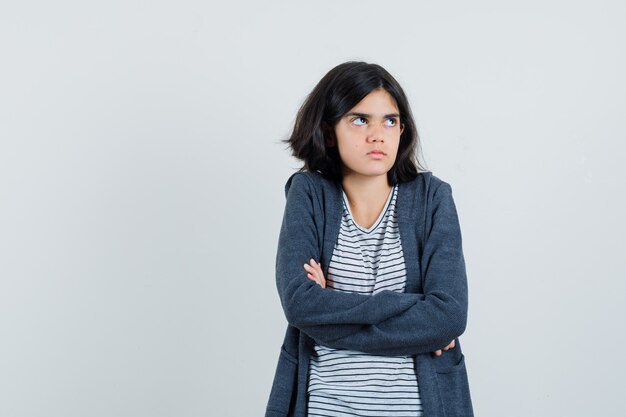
x: 342, y: 88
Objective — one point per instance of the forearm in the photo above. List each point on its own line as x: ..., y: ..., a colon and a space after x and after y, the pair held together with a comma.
x: 427, y: 326
x: 335, y: 314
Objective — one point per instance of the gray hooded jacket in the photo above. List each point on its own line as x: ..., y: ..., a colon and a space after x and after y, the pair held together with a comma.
x: 427, y: 316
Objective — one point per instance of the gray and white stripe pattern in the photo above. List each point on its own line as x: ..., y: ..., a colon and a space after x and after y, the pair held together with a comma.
x: 351, y: 383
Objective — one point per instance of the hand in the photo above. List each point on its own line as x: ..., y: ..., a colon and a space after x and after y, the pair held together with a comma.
x: 315, y: 273
x: 450, y: 346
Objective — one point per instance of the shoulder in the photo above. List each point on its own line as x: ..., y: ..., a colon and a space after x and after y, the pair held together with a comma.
x: 438, y: 186
x: 427, y: 183
x: 308, y: 181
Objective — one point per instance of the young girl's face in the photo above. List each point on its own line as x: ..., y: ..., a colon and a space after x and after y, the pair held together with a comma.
x: 368, y: 136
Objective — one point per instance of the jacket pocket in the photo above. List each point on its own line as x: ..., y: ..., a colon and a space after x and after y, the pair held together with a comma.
x: 454, y: 387
x: 284, y: 386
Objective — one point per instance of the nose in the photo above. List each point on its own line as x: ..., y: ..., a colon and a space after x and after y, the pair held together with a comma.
x: 376, y: 132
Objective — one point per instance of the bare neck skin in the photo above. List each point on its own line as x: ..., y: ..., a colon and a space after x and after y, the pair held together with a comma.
x: 367, y: 197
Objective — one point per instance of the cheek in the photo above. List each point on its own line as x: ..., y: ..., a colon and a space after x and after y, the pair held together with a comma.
x: 347, y: 142
x: 346, y: 152
x: 396, y: 149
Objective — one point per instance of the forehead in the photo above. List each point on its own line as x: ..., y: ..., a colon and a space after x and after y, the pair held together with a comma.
x: 377, y: 101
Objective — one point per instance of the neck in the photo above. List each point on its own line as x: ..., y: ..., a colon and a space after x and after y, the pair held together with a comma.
x: 366, y: 191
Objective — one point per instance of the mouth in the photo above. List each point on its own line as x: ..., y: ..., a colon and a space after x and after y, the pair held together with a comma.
x: 376, y: 155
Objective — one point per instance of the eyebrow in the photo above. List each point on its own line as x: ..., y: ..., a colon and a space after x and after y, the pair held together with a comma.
x: 365, y: 115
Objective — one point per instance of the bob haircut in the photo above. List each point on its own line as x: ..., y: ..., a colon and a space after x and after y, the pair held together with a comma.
x: 338, y: 91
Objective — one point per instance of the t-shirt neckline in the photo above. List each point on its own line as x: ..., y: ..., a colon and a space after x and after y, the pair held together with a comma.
x: 380, y: 216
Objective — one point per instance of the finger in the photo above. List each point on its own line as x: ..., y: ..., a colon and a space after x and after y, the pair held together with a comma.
x: 317, y: 279
x: 310, y: 269
x: 312, y: 278
x: 312, y: 265
x: 317, y: 267
x: 452, y: 344
x: 438, y: 352
x: 313, y: 272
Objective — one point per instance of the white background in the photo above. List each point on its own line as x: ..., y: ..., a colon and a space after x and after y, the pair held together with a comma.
x: 141, y: 193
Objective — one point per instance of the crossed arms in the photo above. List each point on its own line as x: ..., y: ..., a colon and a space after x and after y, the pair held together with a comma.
x: 388, y: 322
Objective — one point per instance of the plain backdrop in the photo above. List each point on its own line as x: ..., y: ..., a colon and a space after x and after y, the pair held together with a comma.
x: 141, y: 193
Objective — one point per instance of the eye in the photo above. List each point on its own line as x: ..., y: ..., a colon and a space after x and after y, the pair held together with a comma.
x: 391, y: 121
x: 359, y: 121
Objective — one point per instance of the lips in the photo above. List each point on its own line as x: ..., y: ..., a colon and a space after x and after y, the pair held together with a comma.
x: 376, y: 155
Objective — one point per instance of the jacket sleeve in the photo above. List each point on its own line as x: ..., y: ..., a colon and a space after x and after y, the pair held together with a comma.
x: 324, y: 313
x: 435, y: 317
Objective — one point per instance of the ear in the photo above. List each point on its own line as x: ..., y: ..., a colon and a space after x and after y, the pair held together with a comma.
x: 402, y: 128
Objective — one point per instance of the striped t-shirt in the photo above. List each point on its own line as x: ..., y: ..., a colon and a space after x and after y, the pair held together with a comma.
x: 351, y: 383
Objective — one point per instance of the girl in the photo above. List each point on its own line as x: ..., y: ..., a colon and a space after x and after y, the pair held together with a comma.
x: 370, y: 268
